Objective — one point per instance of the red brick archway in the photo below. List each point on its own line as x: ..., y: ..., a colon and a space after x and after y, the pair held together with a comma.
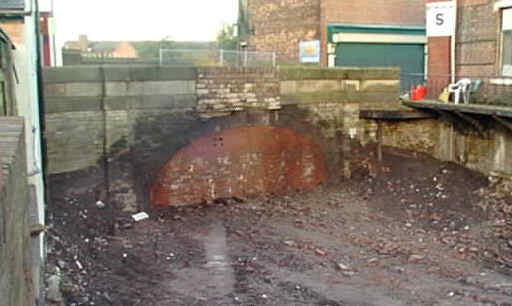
x: 240, y: 162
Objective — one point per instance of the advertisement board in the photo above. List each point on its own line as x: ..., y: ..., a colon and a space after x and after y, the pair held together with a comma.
x: 309, y: 51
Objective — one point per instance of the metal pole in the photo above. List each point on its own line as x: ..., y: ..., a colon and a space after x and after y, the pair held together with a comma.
x: 245, y: 57
x: 161, y: 58
x: 274, y: 59
x: 222, y: 57
x: 453, y: 41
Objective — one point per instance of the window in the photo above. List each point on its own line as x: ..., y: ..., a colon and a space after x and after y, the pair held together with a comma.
x: 506, y: 29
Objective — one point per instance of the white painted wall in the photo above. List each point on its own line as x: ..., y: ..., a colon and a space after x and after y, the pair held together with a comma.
x: 28, y: 107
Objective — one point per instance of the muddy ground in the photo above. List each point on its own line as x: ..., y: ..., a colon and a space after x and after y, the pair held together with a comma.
x: 418, y: 232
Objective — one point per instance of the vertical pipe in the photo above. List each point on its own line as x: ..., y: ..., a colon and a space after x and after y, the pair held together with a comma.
x: 453, y: 45
x: 221, y: 57
x: 379, y: 141
x: 274, y: 59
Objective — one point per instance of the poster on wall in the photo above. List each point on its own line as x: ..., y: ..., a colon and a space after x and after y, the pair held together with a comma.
x: 309, y: 51
x: 441, y: 18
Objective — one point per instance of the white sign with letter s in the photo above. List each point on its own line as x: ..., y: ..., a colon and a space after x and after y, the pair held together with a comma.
x: 441, y: 18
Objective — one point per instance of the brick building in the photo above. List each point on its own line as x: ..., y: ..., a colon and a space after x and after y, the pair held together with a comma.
x: 13, y: 22
x: 102, y: 49
x: 484, y: 38
x: 121, y: 49
x: 483, y: 47
x: 350, y: 33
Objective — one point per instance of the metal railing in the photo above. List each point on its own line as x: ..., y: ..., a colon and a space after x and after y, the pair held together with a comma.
x: 217, y: 57
x: 487, y: 90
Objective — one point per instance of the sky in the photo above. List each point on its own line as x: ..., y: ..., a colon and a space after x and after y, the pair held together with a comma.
x: 142, y: 20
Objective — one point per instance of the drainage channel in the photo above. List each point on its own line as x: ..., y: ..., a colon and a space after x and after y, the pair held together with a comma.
x: 214, y: 279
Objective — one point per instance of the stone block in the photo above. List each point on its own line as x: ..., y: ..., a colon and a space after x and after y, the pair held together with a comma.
x: 72, y: 104
x: 149, y: 73
x: 72, y: 74
x: 165, y: 102
x: 318, y: 86
x: 74, y: 90
x: 150, y: 88
x: 380, y: 85
x: 288, y: 87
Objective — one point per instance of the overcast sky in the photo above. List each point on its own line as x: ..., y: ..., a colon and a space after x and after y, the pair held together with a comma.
x: 142, y: 20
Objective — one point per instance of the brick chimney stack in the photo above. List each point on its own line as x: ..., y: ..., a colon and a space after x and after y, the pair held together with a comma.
x: 84, y: 43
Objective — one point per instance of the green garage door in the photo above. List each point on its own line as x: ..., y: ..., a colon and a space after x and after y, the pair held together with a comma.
x: 409, y: 58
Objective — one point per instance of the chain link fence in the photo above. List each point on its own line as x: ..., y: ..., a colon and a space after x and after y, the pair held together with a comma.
x: 218, y: 57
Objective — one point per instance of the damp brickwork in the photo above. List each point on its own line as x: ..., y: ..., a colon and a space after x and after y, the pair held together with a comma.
x: 240, y: 162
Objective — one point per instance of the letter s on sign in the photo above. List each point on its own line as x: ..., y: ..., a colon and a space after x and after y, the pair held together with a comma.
x: 440, y: 19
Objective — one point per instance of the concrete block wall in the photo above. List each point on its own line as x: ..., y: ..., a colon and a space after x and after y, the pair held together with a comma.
x: 93, y: 108
x: 16, y: 286
x: 337, y: 95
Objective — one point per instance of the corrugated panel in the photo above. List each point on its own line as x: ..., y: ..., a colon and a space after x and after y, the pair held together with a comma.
x: 410, y: 58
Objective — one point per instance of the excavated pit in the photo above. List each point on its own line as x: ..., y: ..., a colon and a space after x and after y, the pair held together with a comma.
x: 410, y: 230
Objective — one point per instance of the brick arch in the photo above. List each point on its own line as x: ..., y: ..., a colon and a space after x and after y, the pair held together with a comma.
x: 240, y: 162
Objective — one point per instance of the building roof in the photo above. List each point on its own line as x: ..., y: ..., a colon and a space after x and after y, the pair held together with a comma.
x: 14, y: 5
x: 104, y: 46
x: 5, y: 38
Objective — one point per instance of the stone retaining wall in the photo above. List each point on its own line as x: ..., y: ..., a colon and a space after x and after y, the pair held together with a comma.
x: 97, y: 110
x: 146, y: 114
x: 490, y: 153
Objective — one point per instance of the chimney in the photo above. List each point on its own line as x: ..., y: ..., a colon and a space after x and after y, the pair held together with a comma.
x: 83, y: 42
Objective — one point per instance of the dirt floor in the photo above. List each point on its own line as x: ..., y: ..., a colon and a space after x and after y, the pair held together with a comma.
x: 418, y: 232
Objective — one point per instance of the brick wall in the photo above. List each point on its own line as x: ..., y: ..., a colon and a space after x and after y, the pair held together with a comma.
x: 477, y: 45
x: 439, y: 65
x: 279, y: 25
x: 16, y: 287
x: 379, y: 12
x: 221, y: 91
x: 245, y: 161
x: 477, y: 38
